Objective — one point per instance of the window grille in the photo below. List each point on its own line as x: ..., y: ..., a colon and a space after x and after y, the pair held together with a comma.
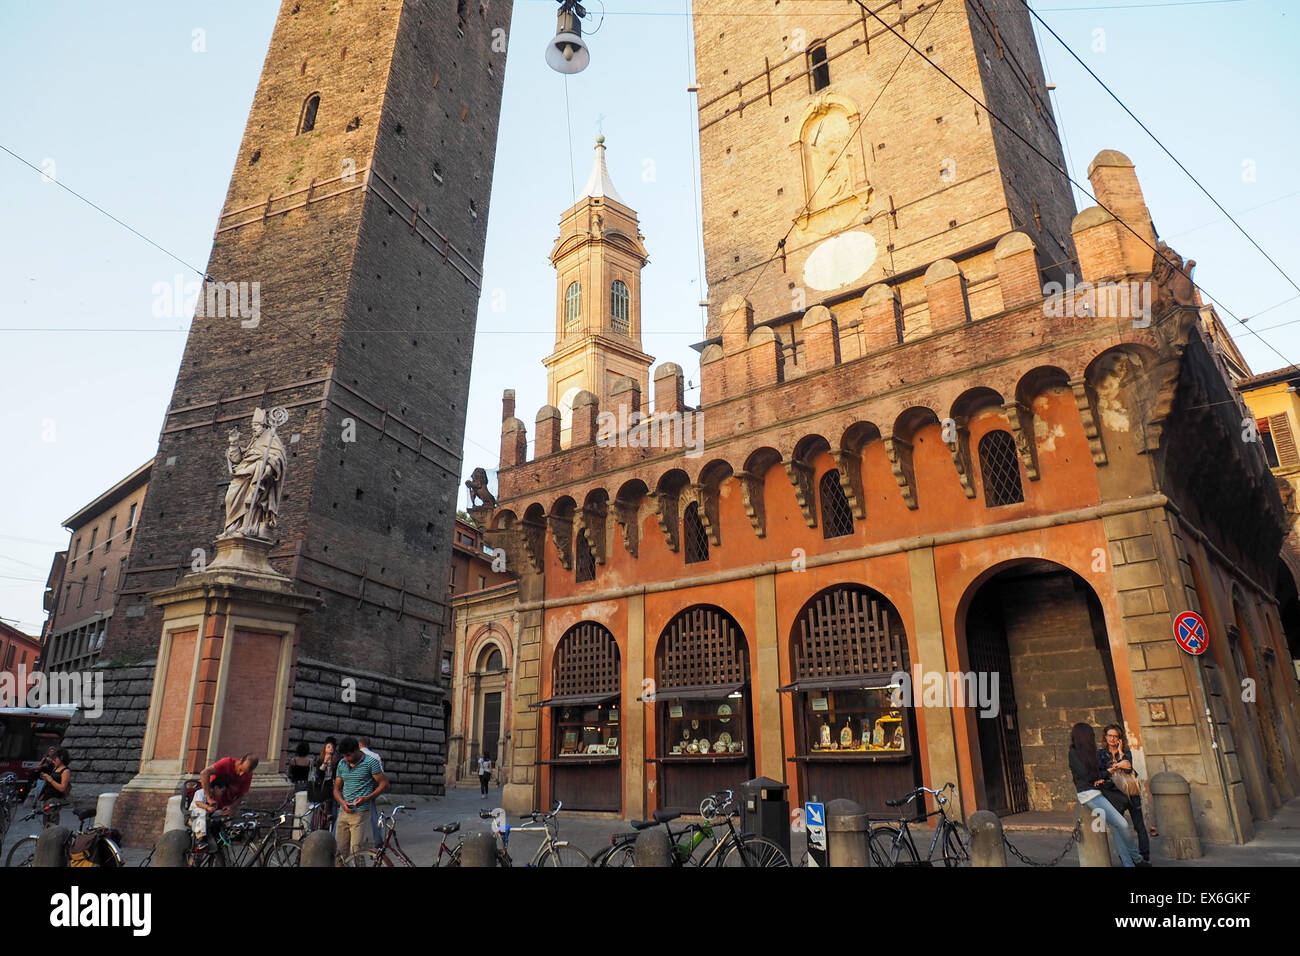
x: 1000, y: 469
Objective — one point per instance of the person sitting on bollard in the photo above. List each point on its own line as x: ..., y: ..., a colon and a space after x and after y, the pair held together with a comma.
x: 201, y: 804
x: 1088, y: 780
x: 1115, y: 757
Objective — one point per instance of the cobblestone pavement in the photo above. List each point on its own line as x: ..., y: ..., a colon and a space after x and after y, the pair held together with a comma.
x: 1276, y: 843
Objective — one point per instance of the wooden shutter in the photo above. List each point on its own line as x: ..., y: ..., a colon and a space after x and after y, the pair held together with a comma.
x: 1284, y: 440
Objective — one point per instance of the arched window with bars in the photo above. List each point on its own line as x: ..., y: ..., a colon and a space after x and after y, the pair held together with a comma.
x: 696, y: 538
x: 620, y: 307
x: 572, y: 305
x: 1000, y: 469
x: 837, y: 516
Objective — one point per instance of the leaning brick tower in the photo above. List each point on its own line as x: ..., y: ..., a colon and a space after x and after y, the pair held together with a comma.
x: 358, y: 205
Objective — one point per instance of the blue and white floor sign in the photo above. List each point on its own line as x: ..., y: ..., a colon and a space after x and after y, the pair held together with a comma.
x: 815, y: 817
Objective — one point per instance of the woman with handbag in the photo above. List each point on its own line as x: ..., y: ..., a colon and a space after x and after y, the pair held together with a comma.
x: 1088, y: 780
x: 1121, y: 789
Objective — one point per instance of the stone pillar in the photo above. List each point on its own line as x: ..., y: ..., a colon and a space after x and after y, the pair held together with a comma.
x: 1115, y: 184
x: 821, y: 338
x: 847, y: 832
x: 1017, y: 265
x: 988, y: 846
x: 547, y: 441
x: 1172, y: 797
x: 634, y: 711
x: 882, y: 317
x: 582, y: 431
x: 653, y: 848
x: 1094, y: 844
x: 940, y: 739
x: 522, y: 793
x: 713, y: 375
x: 945, y: 289
x: 514, y: 443
x: 670, y: 393
x: 766, y: 700
x: 221, y: 687
x: 763, y: 359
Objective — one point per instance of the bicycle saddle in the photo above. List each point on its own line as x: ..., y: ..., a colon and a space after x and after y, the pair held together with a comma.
x: 643, y: 824
x: 447, y: 828
x: 663, y: 816
x: 86, y: 813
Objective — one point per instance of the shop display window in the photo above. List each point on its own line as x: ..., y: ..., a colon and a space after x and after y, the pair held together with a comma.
x: 587, y: 731
x: 714, y: 727
x: 853, y: 721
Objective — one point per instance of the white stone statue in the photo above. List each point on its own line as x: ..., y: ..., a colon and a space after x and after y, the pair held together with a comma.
x: 257, y: 477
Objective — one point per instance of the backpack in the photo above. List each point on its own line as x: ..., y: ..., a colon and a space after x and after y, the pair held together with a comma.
x: 91, y: 848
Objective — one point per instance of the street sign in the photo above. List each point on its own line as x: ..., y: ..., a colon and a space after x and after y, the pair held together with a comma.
x: 814, y: 815
x: 1191, y: 633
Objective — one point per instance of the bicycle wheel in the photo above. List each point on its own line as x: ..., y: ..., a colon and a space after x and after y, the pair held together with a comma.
x: 563, y: 854
x: 22, y: 853
x: 284, y: 853
x: 369, y: 857
x: 755, y: 852
x: 956, y: 845
x: 622, y: 855
x: 890, y: 848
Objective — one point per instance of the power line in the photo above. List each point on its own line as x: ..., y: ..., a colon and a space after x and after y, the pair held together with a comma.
x: 1164, y: 149
x: 1064, y: 172
x: 101, y: 209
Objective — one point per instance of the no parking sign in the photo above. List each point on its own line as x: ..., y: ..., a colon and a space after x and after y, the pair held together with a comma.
x: 1191, y: 633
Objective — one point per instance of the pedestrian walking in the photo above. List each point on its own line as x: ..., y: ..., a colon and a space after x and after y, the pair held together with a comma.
x: 320, y: 783
x: 358, y: 781
x: 484, y: 773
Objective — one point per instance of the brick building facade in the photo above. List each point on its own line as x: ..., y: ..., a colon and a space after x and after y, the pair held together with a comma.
x: 355, y: 220
x: 919, y: 456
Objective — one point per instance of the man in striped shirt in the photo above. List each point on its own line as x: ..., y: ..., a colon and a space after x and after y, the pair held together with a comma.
x: 358, y: 782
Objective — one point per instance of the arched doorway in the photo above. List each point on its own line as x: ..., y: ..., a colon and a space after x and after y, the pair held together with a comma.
x: 1040, y: 629
x: 705, y: 737
x: 585, y: 725
x: 490, y: 680
x: 853, y: 737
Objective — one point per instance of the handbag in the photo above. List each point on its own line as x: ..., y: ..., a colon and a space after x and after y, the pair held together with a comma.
x: 1125, y: 782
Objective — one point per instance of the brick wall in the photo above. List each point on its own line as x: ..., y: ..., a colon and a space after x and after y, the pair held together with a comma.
x: 106, y: 750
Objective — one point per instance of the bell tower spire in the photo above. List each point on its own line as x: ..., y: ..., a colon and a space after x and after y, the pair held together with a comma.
x: 598, y: 259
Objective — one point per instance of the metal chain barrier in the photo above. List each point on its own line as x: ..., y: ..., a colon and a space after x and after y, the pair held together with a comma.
x: 1075, y: 836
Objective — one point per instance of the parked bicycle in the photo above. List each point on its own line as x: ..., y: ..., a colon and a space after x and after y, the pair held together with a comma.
x: 552, y: 851
x: 23, y: 852
x: 389, y: 852
x: 893, y: 846
x: 703, y: 843
x: 12, y: 792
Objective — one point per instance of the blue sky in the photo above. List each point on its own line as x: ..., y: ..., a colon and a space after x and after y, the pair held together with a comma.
x: 137, y: 120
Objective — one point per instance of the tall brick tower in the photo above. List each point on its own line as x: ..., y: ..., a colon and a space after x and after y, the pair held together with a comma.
x: 358, y: 205
x: 598, y: 259
x: 816, y: 120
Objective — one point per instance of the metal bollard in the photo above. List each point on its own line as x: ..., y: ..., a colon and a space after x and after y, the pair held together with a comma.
x: 49, y: 847
x: 1094, y: 847
x: 1173, y: 803
x: 653, y: 848
x: 847, y: 829
x: 172, y: 848
x: 104, y: 809
x: 988, y: 846
x: 174, y: 817
x: 318, y: 849
x: 479, y: 849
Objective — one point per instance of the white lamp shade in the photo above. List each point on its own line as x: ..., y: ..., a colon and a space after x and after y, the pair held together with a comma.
x: 578, y: 56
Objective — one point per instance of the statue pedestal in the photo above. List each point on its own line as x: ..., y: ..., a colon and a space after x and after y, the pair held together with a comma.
x: 222, y: 682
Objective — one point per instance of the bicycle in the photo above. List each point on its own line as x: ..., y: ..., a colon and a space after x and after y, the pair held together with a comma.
x: 23, y: 852
x: 11, y: 796
x: 893, y: 846
x: 388, y: 853
x: 551, y: 852
x: 731, y: 849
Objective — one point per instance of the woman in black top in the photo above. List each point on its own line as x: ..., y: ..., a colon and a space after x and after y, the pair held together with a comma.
x: 1115, y: 756
x: 300, y: 766
x: 1088, y: 780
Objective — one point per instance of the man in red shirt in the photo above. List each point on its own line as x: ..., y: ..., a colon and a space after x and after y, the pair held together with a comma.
x: 234, y: 775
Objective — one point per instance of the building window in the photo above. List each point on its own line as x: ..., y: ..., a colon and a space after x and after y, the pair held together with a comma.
x: 494, y: 661
x: 130, y: 524
x: 81, y: 596
x: 99, y: 585
x: 66, y: 594
x: 121, y: 573
x: 1279, y: 442
x: 308, y: 121
x: 451, y: 580
x: 482, y: 582
x: 837, y: 516
x: 620, y: 307
x: 446, y: 662
x: 572, y: 305
x: 112, y: 529
x: 1000, y: 469
x: 1266, y: 439
x: 585, y: 565
x: 697, y: 540
x: 819, y: 70
x: 94, y: 534
x: 76, y: 550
